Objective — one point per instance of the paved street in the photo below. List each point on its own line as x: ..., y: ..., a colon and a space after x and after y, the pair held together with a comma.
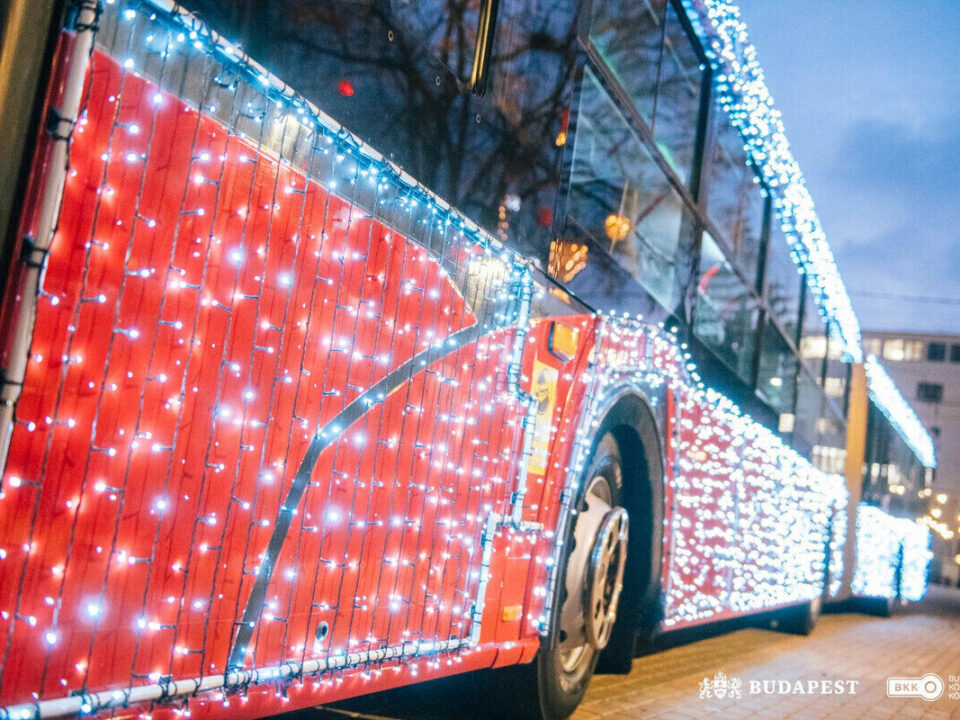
x: 844, y: 647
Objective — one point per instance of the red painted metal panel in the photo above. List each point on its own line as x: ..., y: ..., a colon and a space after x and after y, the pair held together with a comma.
x: 206, y: 310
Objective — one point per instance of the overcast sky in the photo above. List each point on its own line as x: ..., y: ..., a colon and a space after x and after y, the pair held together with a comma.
x: 870, y: 96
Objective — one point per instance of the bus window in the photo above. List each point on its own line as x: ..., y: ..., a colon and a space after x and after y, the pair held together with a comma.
x: 629, y: 35
x: 648, y: 49
x: 678, y: 96
x: 735, y: 198
x: 777, y: 371
x: 813, y: 341
x: 725, y: 316
x: 829, y: 452
x: 809, y: 406
x: 782, y: 283
x: 397, y: 74
x: 447, y: 31
x: 837, y: 374
x: 620, y: 197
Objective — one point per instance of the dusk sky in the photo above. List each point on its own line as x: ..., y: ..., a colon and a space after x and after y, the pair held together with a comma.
x: 870, y: 96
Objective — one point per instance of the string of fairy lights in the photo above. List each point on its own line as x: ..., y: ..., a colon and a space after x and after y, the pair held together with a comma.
x: 238, y: 282
x: 744, y: 96
x: 884, y: 545
x: 885, y: 394
x: 231, y: 270
x: 749, y: 517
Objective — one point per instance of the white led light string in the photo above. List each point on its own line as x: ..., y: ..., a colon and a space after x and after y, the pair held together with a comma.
x: 744, y: 96
x: 518, y: 290
x: 884, y: 392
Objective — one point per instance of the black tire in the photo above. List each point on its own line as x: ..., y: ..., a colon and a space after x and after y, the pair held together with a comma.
x: 545, y: 689
x: 884, y: 607
x: 801, y: 619
x: 877, y: 606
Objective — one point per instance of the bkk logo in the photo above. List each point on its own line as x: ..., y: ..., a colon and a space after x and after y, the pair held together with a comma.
x: 928, y: 687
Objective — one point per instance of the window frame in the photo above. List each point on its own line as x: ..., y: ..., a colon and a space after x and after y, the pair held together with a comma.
x: 694, y: 193
x: 689, y: 190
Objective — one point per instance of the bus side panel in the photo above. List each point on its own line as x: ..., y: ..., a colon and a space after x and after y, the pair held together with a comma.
x: 559, y: 387
x: 237, y: 375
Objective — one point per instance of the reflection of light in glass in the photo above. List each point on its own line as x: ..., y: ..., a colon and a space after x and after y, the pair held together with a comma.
x: 567, y: 259
x: 617, y: 227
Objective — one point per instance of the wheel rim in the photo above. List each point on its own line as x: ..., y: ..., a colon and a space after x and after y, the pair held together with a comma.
x: 816, y: 605
x: 607, y: 562
x: 594, y: 576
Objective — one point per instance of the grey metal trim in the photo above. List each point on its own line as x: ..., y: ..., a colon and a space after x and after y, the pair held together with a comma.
x: 325, y: 437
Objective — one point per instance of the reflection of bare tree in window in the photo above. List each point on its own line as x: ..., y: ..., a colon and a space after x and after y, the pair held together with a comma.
x: 647, y: 47
x: 621, y: 197
x: 735, y: 200
x: 405, y: 64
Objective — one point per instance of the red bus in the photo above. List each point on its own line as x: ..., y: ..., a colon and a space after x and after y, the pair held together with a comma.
x: 409, y: 339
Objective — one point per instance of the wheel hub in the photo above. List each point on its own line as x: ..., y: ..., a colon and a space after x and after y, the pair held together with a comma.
x: 594, y: 575
x: 605, y: 577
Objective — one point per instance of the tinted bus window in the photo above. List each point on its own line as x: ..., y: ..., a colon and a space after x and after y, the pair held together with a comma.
x: 777, y: 371
x: 783, y: 282
x: 447, y: 31
x: 725, y: 316
x: 735, y: 199
x: 629, y: 36
x: 654, y: 59
x: 829, y: 452
x: 813, y: 341
x: 394, y: 72
x: 678, y: 96
x: 620, y: 197
x: 835, y: 384
x: 809, y: 406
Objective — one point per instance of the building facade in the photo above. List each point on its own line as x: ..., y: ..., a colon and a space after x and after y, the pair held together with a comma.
x: 926, y: 368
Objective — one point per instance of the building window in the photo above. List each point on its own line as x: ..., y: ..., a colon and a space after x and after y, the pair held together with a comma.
x: 874, y: 346
x: 936, y: 351
x: 899, y: 350
x: 930, y: 392
x: 955, y: 353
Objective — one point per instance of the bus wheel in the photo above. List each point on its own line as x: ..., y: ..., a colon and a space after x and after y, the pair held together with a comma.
x: 801, y: 620
x: 585, y: 602
x: 877, y: 606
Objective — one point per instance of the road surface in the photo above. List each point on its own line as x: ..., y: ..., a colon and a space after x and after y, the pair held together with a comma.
x: 839, y: 672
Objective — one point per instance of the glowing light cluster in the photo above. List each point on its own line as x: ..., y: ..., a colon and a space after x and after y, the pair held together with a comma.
x: 748, y: 517
x: 885, y: 394
x: 886, y: 544
x: 275, y: 426
x: 746, y: 99
x: 269, y: 432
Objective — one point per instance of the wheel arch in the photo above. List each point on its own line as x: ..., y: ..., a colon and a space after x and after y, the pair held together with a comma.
x: 633, y: 421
